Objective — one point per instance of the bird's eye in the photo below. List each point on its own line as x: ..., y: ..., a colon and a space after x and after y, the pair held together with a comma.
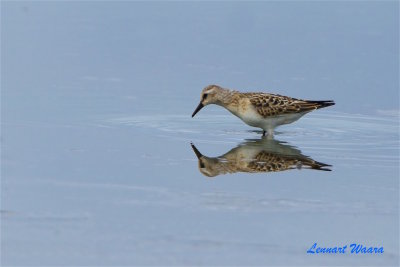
x: 205, y: 96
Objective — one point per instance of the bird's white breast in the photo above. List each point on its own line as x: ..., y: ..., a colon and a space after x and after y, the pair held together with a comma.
x: 251, y: 117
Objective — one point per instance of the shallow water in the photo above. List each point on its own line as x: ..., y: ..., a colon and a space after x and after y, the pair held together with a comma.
x: 107, y: 196
x: 97, y: 162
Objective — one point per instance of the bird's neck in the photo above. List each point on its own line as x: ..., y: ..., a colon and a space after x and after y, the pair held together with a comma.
x: 229, y: 99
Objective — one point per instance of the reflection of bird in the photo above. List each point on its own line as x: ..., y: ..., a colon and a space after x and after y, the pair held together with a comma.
x: 262, y: 110
x: 262, y: 155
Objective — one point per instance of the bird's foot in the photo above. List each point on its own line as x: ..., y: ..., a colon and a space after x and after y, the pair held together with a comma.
x: 269, y: 133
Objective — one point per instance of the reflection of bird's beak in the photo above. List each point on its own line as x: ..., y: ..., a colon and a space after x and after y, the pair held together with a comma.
x: 200, y: 106
x: 198, y: 154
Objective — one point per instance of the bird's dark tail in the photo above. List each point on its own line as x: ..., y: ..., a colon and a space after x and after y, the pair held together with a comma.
x: 320, y: 166
x: 323, y: 103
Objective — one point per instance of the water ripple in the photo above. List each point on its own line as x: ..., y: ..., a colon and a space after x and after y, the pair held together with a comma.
x: 352, y: 137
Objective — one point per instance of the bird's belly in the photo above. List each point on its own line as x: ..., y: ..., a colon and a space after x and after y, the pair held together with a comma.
x: 252, y: 118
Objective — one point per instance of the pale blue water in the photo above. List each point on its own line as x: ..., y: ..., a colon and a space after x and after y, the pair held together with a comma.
x: 97, y: 167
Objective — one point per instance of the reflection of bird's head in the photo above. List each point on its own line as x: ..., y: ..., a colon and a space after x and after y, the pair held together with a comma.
x: 207, y: 166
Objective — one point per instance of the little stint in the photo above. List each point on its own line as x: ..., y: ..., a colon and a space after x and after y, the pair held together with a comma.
x: 262, y: 110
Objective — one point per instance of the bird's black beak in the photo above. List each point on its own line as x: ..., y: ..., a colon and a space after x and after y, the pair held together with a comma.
x: 197, y: 152
x: 200, y: 106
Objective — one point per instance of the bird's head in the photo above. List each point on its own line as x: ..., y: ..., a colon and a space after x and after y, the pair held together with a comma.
x: 209, y: 95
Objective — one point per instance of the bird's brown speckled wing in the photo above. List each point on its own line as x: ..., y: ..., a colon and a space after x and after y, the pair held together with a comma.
x: 268, y: 162
x: 271, y: 162
x: 273, y: 105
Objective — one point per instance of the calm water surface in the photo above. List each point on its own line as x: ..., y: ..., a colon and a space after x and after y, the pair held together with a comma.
x: 97, y: 162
